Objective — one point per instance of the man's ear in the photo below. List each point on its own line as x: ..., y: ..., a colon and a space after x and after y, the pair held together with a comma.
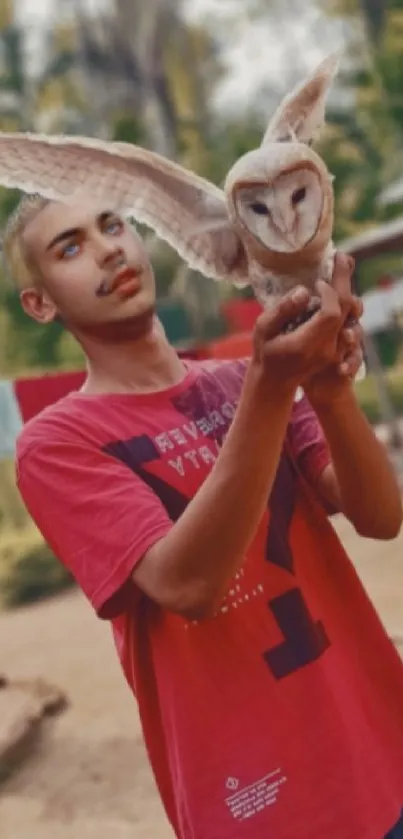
x: 37, y: 305
x: 301, y: 114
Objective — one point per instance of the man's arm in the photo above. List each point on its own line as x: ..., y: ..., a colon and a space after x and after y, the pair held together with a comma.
x: 189, y: 570
x: 360, y: 480
x: 311, y: 453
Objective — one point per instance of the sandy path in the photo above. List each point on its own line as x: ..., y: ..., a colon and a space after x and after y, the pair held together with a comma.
x: 89, y: 777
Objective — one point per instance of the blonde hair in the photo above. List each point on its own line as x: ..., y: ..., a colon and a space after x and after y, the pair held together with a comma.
x: 16, y: 262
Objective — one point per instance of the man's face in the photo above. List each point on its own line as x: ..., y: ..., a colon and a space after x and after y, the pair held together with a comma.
x: 93, y: 270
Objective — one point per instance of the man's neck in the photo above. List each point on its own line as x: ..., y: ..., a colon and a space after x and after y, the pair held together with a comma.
x: 144, y: 365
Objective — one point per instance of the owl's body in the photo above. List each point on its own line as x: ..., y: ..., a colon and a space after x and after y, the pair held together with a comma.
x: 273, y: 281
x: 280, y: 200
x: 285, y: 220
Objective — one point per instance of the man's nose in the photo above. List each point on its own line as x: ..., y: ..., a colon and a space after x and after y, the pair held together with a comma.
x: 109, y: 252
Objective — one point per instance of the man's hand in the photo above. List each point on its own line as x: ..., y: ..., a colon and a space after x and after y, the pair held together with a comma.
x: 334, y: 380
x: 284, y: 360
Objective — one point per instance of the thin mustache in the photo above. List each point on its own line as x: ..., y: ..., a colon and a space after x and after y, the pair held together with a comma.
x: 104, y: 288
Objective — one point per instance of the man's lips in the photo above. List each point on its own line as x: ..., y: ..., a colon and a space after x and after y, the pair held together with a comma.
x: 125, y: 283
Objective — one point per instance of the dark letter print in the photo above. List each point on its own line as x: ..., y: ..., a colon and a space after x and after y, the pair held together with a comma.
x: 199, y: 402
x: 139, y: 451
x: 194, y: 405
x: 305, y: 639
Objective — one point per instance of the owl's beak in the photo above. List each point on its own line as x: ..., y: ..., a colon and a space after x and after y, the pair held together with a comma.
x: 281, y: 223
x: 289, y: 233
x: 291, y: 238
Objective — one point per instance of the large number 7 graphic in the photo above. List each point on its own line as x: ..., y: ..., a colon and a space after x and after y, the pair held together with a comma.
x: 305, y: 639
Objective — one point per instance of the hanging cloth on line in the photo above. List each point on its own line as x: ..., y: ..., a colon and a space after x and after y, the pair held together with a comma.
x: 10, y: 419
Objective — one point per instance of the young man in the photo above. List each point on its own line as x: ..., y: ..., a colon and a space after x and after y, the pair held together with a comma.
x: 191, y: 503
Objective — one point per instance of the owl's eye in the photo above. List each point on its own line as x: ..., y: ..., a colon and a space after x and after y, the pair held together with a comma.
x: 298, y: 195
x: 259, y: 208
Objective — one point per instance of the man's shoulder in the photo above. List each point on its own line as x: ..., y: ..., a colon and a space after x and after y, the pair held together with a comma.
x: 55, y: 423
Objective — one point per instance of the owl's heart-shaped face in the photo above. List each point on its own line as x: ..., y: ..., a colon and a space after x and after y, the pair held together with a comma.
x: 284, y: 214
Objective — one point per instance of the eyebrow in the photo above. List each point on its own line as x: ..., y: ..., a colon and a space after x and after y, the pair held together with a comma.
x: 74, y: 231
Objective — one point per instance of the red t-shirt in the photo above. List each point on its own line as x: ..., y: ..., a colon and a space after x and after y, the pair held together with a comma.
x: 282, y: 716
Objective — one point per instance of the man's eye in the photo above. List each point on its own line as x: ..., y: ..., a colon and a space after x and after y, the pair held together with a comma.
x: 70, y: 250
x: 114, y: 227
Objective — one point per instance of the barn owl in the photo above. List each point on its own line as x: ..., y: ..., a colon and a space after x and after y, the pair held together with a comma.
x: 270, y: 226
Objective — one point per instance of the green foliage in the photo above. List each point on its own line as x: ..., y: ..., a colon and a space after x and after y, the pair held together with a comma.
x: 368, y: 272
x: 388, y: 346
x: 228, y: 140
x: 13, y: 514
x: 9, y: 199
x: 12, y: 43
x: 368, y: 399
x: 26, y: 338
x: 363, y: 142
x: 28, y: 569
x: 128, y: 129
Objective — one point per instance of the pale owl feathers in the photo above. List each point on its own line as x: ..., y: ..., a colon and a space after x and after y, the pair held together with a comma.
x: 270, y: 226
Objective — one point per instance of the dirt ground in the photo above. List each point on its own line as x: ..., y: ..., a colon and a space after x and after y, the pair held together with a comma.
x: 88, y: 777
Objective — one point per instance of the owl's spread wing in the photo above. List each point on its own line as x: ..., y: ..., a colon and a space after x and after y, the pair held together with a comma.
x: 185, y: 210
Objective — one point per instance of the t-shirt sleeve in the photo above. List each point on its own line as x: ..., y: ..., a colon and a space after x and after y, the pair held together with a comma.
x: 309, y: 447
x: 97, y: 516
